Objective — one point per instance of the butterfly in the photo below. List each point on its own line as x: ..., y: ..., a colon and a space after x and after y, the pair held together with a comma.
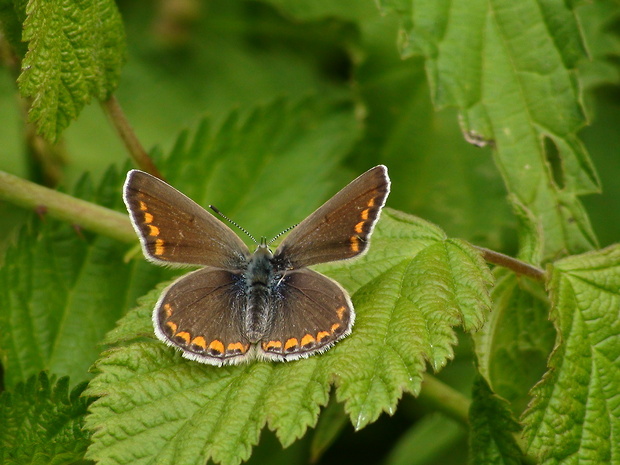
x: 241, y: 305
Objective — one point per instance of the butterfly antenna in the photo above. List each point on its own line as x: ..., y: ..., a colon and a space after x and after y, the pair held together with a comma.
x: 233, y: 223
x: 282, y: 232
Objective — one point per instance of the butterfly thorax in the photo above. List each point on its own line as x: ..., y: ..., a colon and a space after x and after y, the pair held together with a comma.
x: 261, y: 279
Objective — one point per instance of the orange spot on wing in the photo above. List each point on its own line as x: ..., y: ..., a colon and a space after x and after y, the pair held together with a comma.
x: 359, y: 227
x: 216, y: 346
x: 172, y: 326
x: 200, y: 342
x: 159, y: 247
x: 143, y: 206
x: 185, y: 336
x: 168, y: 310
x: 290, y: 343
x: 322, y: 335
x: 153, y: 230
x: 354, y: 242
x: 307, y: 340
x: 234, y: 346
x: 371, y: 202
x: 272, y: 345
x: 148, y: 218
x: 335, y: 326
x: 365, y: 214
x: 340, y: 312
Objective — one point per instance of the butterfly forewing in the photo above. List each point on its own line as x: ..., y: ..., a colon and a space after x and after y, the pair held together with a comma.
x: 310, y: 313
x: 201, y: 313
x: 175, y: 229
x: 340, y: 228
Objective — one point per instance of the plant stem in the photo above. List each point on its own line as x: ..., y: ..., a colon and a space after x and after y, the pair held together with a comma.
x: 455, y: 405
x: 64, y: 207
x: 445, y: 399
x: 116, y: 115
x: 513, y: 264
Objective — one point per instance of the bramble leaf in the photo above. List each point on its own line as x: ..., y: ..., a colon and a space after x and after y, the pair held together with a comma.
x: 509, y: 69
x: 575, y: 414
x: 404, y: 317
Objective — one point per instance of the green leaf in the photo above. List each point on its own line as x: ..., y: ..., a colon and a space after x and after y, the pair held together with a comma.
x: 575, y: 414
x: 155, y: 405
x: 75, y: 53
x: 42, y: 423
x: 62, y: 289
x: 491, y: 439
x: 509, y: 69
x: 513, y: 346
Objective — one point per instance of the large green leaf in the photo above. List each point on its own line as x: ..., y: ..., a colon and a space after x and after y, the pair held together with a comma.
x: 575, y: 414
x: 411, y: 289
x: 509, y: 69
x: 75, y: 53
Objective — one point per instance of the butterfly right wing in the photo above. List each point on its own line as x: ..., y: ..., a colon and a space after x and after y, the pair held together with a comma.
x: 173, y: 229
x: 201, y: 313
x: 340, y: 229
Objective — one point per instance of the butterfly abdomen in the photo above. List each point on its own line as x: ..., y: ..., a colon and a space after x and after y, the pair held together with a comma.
x: 259, y: 277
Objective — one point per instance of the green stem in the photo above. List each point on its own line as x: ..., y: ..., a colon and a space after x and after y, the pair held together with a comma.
x: 64, y: 207
x: 445, y: 399
x: 455, y: 405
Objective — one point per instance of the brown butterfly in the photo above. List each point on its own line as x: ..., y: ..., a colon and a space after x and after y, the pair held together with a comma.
x: 242, y: 305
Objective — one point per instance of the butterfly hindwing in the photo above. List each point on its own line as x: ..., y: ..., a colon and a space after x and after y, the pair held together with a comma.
x: 202, y: 314
x: 310, y: 313
x: 341, y: 227
x: 173, y: 229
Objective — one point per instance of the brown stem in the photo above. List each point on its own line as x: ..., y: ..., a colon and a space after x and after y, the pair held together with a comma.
x: 127, y: 134
x: 513, y: 264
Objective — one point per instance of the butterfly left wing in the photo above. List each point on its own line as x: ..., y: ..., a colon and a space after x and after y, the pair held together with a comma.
x: 173, y: 229
x: 341, y: 227
x: 201, y: 313
x: 310, y: 313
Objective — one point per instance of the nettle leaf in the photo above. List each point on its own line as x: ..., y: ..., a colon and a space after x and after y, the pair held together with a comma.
x: 42, y: 422
x: 62, y: 289
x: 156, y: 406
x: 509, y: 69
x: 575, y: 413
x: 492, y: 426
x: 75, y: 53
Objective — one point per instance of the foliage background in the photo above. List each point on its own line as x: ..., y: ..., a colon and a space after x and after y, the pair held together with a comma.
x: 189, y: 59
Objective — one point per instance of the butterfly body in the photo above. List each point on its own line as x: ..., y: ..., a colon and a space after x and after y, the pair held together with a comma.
x: 262, y: 280
x: 244, y: 305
